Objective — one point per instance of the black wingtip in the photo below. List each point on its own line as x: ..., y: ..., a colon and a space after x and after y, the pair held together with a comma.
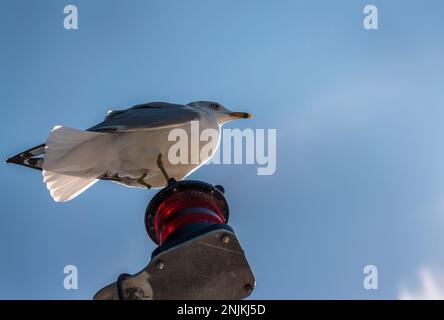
x: 15, y: 159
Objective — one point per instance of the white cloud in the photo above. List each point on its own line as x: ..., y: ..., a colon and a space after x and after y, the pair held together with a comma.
x: 431, y: 287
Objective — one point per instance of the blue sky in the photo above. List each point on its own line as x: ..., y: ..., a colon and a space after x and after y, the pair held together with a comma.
x: 358, y: 113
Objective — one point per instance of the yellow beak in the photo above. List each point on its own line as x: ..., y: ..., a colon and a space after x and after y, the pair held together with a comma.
x: 241, y: 115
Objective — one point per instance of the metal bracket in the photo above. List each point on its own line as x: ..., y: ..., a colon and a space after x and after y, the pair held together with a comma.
x: 210, y: 266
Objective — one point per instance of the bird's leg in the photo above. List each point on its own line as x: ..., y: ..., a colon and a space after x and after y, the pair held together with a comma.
x: 161, y: 167
x: 142, y: 181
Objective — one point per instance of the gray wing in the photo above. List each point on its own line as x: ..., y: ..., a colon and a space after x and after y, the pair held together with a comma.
x: 147, y: 116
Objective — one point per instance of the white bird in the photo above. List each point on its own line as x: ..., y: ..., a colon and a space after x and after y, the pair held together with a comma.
x: 129, y: 147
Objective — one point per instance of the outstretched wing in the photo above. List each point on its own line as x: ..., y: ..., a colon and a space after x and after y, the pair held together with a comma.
x: 147, y: 116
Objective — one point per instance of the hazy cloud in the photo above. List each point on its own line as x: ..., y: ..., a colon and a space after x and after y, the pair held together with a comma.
x: 431, y: 286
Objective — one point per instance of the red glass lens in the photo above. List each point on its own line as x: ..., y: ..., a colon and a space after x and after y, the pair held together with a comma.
x: 183, y: 208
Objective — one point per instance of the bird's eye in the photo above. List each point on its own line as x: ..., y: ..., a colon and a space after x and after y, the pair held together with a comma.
x: 214, y: 106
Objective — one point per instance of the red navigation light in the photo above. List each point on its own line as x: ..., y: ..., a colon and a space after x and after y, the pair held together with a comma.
x: 183, y: 204
x: 198, y: 254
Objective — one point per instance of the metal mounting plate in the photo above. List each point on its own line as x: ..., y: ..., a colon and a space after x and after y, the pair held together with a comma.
x: 210, y: 266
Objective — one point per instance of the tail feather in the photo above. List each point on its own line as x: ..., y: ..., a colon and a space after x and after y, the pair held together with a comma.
x: 65, y: 187
x: 74, y: 161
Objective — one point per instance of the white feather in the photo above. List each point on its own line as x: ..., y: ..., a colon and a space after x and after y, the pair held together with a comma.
x: 64, y: 187
x: 74, y: 159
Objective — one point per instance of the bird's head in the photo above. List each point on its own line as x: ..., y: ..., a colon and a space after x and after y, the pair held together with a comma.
x: 221, y: 113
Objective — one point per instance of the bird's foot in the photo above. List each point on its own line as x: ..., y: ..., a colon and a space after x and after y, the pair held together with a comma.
x: 162, y: 168
x: 142, y: 181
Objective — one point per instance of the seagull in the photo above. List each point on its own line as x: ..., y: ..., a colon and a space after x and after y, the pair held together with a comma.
x: 129, y: 147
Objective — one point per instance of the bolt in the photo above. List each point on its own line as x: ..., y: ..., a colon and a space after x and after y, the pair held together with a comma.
x: 225, y: 239
x: 220, y: 188
x: 171, y: 182
x: 160, y: 265
x: 248, y: 288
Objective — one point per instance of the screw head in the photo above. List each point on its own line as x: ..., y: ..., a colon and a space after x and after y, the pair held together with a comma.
x: 248, y: 288
x: 225, y: 239
x: 160, y: 265
x: 171, y: 182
